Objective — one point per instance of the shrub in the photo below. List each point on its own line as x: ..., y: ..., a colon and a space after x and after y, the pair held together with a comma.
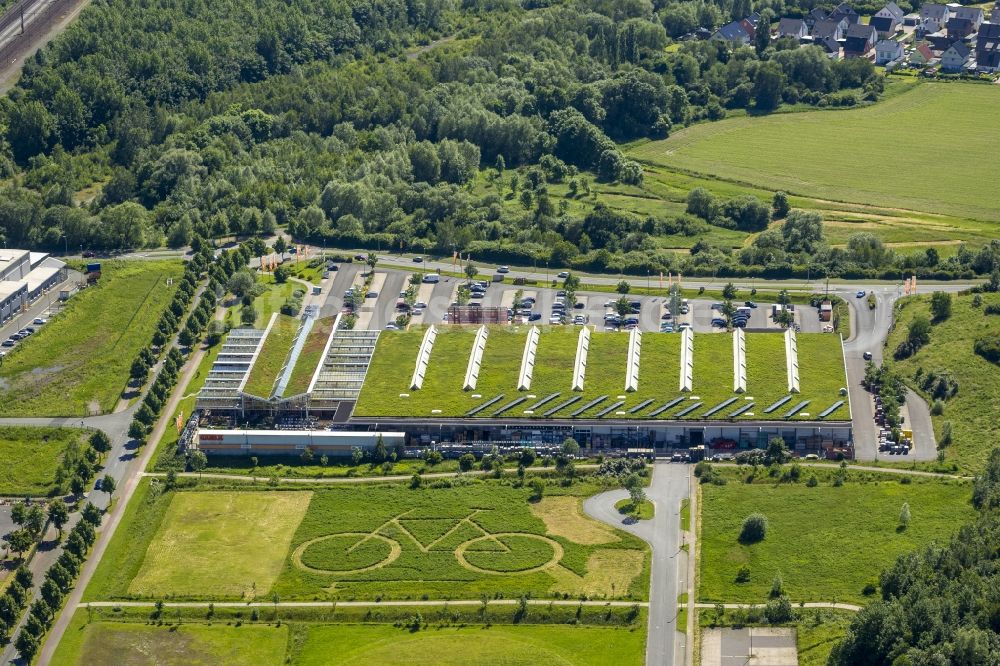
x: 813, y: 481
x: 754, y: 528
x: 989, y: 348
x: 743, y: 575
x: 778, y: 610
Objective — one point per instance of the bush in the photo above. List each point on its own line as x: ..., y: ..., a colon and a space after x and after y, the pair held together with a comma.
x: 778, y: 610
x: 989, y: 348
x: 754, y: 528
x: 813, y: 481
x: 743, y: 575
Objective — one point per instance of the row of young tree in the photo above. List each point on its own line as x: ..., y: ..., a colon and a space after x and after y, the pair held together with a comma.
x: 58, y: 582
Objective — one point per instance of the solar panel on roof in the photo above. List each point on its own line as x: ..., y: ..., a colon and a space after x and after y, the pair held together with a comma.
x: 512, y: 403
x: 548, y: 398
x: 562, y: 405
x: 721, y: 405
x: 672, y: 403
x: 739, y: 411
x: 491, y: 401
x: 831, y: 409
x: 687, y: 410
x: 610, y: 408
x: 590, y: 404
x: 777, y: 404
x: 641, y: 406
x: 795, y: 410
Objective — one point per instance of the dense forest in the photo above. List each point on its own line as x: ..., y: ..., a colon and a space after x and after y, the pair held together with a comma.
x: 369, y: 123
x: 941, y: 604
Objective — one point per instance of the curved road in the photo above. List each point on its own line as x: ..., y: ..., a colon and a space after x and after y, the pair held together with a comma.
x: 668, y: 487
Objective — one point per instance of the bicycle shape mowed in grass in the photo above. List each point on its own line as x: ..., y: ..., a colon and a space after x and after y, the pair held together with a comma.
x: 499, y: 553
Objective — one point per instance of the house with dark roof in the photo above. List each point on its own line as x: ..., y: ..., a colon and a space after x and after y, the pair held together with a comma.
x: 859, y: 41
x: 959, y: 28
x: 885, y: 26
x: 830, y: 45
x: 988, y: 48
x: 829, y: 29
x: 974, y: 14
x: 887, y: 51
x: 732, y: 32
x: 891, y: 10
x: 955, y: 57
x: 817, y: 14
x: 933, y: 16
x: 845, y: 11
x: 790, y: 27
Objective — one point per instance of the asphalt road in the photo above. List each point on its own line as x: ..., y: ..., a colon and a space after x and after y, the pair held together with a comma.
x: 669, y: 485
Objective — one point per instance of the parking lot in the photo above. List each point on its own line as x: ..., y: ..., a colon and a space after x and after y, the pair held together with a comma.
x: 761, y: 646
x: 545, y: 305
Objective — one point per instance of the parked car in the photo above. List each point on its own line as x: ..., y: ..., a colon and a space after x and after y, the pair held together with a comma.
x: 9, y: 342
x: 359, y: 257
x: 750, y: 304
x: 431, y: 278
x: 40, y: 321
x: 867, y: 356
x: 534, y: 316
x: 371, y: 294
x: 578, y: 305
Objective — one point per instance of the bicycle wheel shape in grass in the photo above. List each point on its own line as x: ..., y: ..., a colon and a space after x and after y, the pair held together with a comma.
x: 508, y: 553
x: 346, y: 553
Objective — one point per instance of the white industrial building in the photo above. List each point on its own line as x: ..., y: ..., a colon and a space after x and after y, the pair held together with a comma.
x: 24, y: 276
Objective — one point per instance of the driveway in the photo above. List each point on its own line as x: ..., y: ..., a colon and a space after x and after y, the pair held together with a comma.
x: 669, y: 486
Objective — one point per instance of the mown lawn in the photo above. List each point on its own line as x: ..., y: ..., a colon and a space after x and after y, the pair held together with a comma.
x: 310, y: 356
x: 272, y: 356
x: 78, y: 363
x: 826, y: 542
x: 358, y: 645
x: 659, y: 373
x: 766, y: 151
x: 366, y: 542
x: 134, y: 644
x: 29, y: 458
x: 972, y: 412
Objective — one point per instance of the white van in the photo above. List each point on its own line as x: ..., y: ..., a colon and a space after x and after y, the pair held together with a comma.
x: 432, y: 278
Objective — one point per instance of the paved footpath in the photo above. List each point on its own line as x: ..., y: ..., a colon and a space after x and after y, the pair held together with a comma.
x: 670, y: 484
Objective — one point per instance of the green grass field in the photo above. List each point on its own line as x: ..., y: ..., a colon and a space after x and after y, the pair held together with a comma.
x: 972, y: 411
x: 133, y: 644
x: 309, y: 358
x: 359, y: 645
x: 366, y: 542
x: 387, y: 388
x: 827, y: 542
x: 767, y: 152
x: 271, y: 358
x: 78, y: 363
x: 30, y: 457
x: 232, y: 543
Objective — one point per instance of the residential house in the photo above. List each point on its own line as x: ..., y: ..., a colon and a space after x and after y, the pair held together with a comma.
x: 891, y: 10
x: 829, y: 29
x: 750, y: 24
x: 859, y: 41
x: 922, y: 55
x: 885, y: 26
x: 845, y: 11
x: 988, y: 47
x: 974, y: 14
x: 732, y: 32
x: 816, y: 15
x: 830, y: 45
x: 888, y: 50
x: 959, y: 28
x: 933, y: 16
x: 789, y: 27
x: 955, y: 57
